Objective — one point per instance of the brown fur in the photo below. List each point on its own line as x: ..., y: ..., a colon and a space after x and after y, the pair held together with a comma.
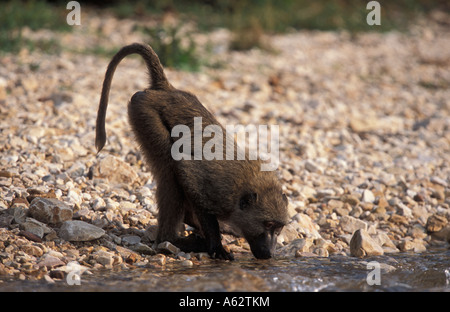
x: 201, y: 193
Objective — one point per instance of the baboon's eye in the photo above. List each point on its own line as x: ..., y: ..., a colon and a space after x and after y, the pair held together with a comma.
x: 269, y: 225
x: 274, y: 226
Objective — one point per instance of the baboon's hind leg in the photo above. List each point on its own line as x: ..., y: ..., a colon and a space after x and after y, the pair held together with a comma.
x: 170, y: 201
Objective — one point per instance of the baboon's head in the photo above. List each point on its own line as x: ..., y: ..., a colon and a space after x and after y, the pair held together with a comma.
x: 260, y: 218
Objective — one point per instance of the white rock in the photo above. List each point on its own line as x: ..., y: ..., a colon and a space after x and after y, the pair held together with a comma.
x: 74, y: 197
x: 98, y: 204
x: 368, y: 197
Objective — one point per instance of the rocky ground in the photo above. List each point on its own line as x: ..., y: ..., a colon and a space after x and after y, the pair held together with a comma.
x: 364, y: 125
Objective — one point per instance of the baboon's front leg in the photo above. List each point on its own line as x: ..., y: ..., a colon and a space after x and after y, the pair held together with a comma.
x: 211, y: 231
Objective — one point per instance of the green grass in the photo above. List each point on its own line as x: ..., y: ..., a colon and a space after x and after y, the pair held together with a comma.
x: 15, y: 15
x: 275, y: 16
x: 249, y: 20
x: 167, y: 41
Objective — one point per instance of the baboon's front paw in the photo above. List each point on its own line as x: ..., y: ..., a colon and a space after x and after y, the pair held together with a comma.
x: 220, y: 253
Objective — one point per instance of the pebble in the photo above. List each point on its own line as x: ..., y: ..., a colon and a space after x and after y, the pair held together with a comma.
x: 438, y: 180
x: 304, y: 225
x: 98, y: 204
x: 351, y: 224
x: 33, y: 250
x: 158, y: 259
x: 350, y: 199
x: 288, y: 234
x: 187, y: 263
x: 19, y: 214
x: 335, y: 204
x: 297, y: 245
x: 35, y: 227
x: 116, y: 170
x: 167, y: 248
x: 368, y: 197
x: 50, y: 261
x: 143, y: 249
x: 362, y: 245
x: 79, y: 231
x: 435, y: 223
x: 103, y: 257
x: 416, y: 245
x: 313, y: 167
x: 50, y: 210
x: 131, y: 239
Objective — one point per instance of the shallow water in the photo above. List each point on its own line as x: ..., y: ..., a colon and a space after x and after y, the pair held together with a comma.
x: 428, y: 271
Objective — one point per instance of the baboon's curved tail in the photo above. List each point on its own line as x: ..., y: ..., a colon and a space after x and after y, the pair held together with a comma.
x: 158, y: 81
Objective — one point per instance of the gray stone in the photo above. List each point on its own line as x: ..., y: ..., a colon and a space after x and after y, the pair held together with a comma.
x: 151, y: 232
x: 313, y: 167
x: 50, y: 210
x: 103, y: 257
x: 20, y: 214
x: 79, y: 231
x: 33, y: 226
x: 143, y: 249
x: 167, y: 248
x: 350, y: 224
x: 131, y: 239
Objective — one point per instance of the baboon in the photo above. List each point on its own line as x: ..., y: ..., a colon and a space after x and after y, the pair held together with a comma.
x: 245, y: 201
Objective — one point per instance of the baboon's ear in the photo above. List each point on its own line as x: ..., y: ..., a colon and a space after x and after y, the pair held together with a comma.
x: 248, y: 200
x: 285, y: 199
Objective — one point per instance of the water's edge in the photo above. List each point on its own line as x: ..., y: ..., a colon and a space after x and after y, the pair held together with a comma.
x: 429, y: 271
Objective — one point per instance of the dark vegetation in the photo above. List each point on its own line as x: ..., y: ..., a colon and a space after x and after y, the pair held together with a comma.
x: 249, y: 21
